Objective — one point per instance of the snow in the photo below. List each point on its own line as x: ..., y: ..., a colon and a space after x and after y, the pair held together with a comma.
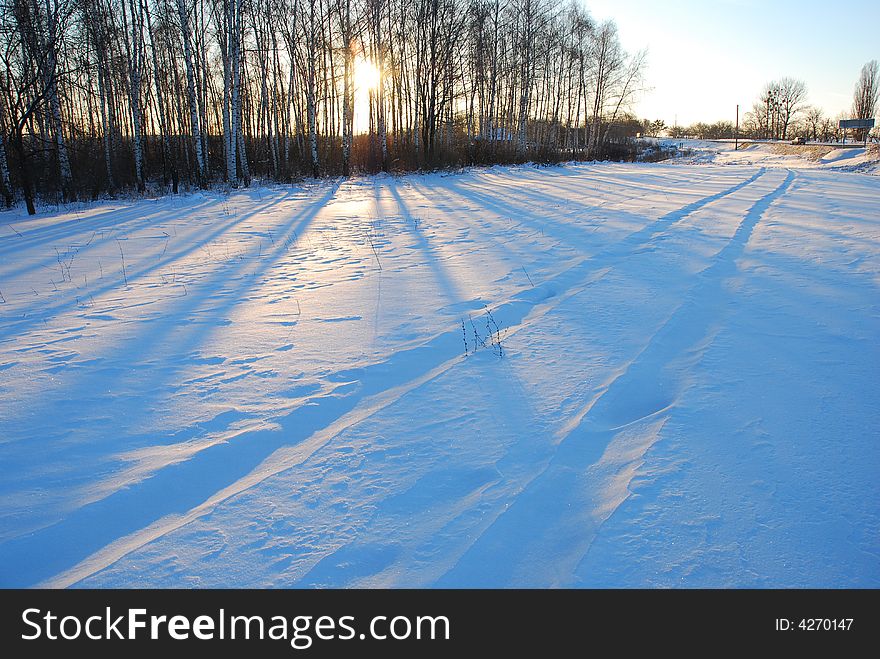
x: 782, y: 154
x: 672, y: 382
x: 837, y: 155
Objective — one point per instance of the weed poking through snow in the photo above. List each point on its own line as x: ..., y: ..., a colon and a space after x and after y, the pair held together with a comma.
x: 122, y: 254
x: 373, y: 245
x: 489, y: 337
x: 65, y: 261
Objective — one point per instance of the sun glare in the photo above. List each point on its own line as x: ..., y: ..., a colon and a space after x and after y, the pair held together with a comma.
x: 366, y: 79
x: 366, y: 75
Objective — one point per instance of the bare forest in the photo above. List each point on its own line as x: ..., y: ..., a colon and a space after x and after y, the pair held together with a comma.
x: 100, y: 96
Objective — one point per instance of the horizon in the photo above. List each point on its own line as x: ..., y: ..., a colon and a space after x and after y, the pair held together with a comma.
x: 745, y: 45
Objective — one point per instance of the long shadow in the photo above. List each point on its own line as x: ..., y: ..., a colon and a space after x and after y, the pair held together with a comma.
x: 212, y: 300
x: 566, y: 232
x: 510, y: 199
x: 177, y: 487
x: 180, y: 487
x: 121, y: 228
x: 667, y: 220
x: 432, y: 257
x: 111, y: 218
x: 645, y: 390
x: 16, y: 328
x: 623, y: 246
x: 518, y: 187
x: 518, y: 459
x: 475, y: 220
x: 596, y: 172
x: 522, y: 217
x: 609, y: 199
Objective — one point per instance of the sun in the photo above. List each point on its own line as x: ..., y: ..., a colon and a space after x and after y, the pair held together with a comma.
x: 367, y: 79
x: 366, y: 75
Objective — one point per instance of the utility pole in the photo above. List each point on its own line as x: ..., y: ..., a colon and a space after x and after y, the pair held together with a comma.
x: 736, y: 131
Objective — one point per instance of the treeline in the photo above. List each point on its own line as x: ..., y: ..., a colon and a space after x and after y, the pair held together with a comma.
x: 719, y: 130
x: 103, y: 95
x: 811, y: 123
x: 781, y: 112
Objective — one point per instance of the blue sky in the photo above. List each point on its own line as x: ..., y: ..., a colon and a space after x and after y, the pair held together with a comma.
x: 705, y: 57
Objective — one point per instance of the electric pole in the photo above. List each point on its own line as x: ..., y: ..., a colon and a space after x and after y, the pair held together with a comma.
x: 736, y: 131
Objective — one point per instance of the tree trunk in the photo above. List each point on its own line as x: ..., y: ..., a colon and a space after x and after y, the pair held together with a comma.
x: 54, y: 105
x: 5, y: 183
x: 167, y: 155
x: 191, y: 91
x: 237, y: 136
x: 25, y: 175
x: 106, y: 127
x: 347, y: 100
x: 310, y: 93
x: 229, y: 95
x: 134, y: 50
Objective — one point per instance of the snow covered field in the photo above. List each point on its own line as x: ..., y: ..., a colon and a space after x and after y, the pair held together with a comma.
x: 828, y: 157
x: 594, y: 375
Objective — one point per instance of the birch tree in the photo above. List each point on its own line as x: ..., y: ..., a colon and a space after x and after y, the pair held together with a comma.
x: 108, y: 95
x: 133, y: 23
x: 194, y: 123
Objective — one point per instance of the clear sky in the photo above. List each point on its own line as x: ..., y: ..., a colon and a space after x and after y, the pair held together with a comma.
x: 705, y: 56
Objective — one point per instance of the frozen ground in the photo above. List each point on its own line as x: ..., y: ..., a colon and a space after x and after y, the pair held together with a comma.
x: 677, y: 385
x: 826, y: 157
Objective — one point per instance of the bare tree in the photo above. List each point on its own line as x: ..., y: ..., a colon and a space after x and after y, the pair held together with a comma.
x: 867, y: 93
x: 607, y: 61
x: 102, y: 95
x: 310, y: 34
x: 56, y: 12
x: 776, y: 109
x: 792, y: 94
x: 813, y: 117
x: 135, y: 50
x: 26, y: 87
x: 195, y: 128
x: 343, y: 9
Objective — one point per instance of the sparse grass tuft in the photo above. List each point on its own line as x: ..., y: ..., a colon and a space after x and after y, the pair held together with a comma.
x: 122, y: 254
x: 487, y: 337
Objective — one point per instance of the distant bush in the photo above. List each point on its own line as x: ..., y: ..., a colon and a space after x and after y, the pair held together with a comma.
x: 657, y: 152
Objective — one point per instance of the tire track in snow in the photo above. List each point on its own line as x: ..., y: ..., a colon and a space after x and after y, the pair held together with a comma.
x: 396, y: 572
x: 107, y: 530
x: 600, y: 450
x: 609, y: 187
x: 625, y: 245
x: 212, y: 468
